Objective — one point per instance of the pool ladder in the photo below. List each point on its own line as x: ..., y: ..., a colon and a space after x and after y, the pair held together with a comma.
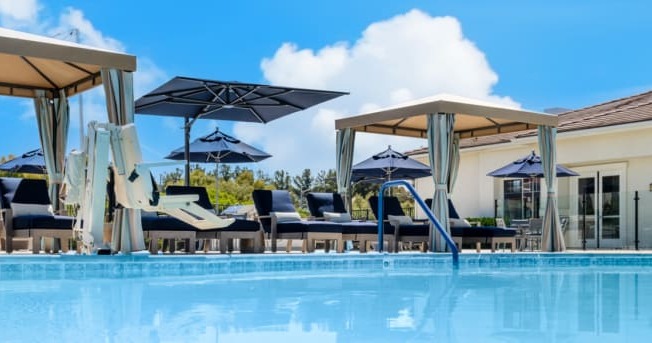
x: 447, y: 238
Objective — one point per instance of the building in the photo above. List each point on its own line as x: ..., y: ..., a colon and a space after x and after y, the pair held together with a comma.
x: 609, y: 145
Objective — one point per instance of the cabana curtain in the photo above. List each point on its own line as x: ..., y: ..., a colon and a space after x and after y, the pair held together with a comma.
x: 344, y: 149
x: 455, y: 163
x: 119, y: 91
x: 440, y: 146
x: 53, y: 120
x: 553, y: 239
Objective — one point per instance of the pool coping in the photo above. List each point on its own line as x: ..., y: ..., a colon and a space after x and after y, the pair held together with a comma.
x: 46, y: 267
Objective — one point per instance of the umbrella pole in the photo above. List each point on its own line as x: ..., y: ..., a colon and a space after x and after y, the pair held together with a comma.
x: 186, y: 149
x: 532, y: 215
x: 217, y: 188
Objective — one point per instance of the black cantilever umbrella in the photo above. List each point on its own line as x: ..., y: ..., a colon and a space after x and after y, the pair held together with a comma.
x: 193, y: 99
x: 217, y: 148
x: 31, y: 162
x: 389, y: 165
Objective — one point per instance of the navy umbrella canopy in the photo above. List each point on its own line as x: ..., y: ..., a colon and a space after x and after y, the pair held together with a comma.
x: 193, y: 99
x: 219, y: 147
x: 31, y: 162
x: 228, y: 100
x: 389, y: 165
x: 529, y: 167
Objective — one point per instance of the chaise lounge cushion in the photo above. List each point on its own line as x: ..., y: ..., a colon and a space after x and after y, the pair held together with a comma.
x: 337, y: 217
x: 284, y: 217
x: 456, y: 222
x: 267, y: 201
x: 153, y: 222
x: 319, y: 203
x: 43, y: 222
x: 482, y: 232
x: 477, y: 231
x: 34, y: 194
x: 399, y: 220
x: 330, y: 206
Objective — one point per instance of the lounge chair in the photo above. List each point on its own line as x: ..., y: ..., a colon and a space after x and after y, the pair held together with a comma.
x: 240, y: 229
x: 398, y: 226
x: 166, y: 227
x: 280, y: 220
x: 333, y: 205
x: 464, y: 233
x: 26, y: 212
x: 161, y: 226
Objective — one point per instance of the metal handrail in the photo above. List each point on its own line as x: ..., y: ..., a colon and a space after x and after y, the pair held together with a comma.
x: 426, y: 210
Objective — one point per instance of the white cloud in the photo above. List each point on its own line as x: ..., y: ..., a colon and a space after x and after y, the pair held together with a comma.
x: 18, y: 13
x: 73, y: 18
x: 403, y: 58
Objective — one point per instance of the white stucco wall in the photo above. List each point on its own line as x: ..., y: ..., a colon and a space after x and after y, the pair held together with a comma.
x: 630, y: 145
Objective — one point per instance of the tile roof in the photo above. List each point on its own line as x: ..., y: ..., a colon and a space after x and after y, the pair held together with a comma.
x: 632, y: 109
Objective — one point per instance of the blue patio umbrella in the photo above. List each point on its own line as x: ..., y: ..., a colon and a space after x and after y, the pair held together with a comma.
x: 217, y: 148
x: 529, y: 167
x: 31, y: 162
x: 389, y: 165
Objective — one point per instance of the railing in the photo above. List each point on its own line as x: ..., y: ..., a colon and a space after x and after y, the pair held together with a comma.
x: 615, y: 220
x: 447, y: 238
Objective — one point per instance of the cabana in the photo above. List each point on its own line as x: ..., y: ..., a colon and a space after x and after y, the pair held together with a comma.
x: 51, y: 70
x: 443, y: 120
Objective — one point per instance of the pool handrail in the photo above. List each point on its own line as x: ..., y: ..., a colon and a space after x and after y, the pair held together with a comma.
x: 447, y: 238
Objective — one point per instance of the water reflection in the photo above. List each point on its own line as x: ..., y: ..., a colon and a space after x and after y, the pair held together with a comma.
x: 510, y: 305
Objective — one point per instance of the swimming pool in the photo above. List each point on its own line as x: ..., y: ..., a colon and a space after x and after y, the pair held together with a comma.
x: 327, y: 298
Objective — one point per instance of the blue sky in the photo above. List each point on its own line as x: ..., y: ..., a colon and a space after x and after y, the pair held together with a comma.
x: 535, y: 54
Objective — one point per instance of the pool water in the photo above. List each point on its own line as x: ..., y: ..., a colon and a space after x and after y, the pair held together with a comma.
x: 404, y: 298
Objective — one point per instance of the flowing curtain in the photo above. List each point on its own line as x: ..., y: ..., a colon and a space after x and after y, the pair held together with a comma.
x: 440, y: 146
x: 53, y: 120
x: 344, y: 150
x: 118, y: 88
x: 553, y: 239
x: 455, y: 163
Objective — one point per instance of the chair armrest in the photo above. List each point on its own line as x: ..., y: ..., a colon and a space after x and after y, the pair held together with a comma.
x: 5, y: 213
x: 6, y: 222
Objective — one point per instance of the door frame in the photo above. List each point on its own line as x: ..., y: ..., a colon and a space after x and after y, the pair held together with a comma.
x: 598, y: 172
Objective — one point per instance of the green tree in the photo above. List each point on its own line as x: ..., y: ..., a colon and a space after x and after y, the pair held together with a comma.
x: 173, y: 178
x: 301, y: 184
x: 281, y: 180
x: 325, y: 181
x: 225, y: 172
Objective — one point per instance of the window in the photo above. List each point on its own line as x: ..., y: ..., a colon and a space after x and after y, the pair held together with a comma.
x: 521, y: 196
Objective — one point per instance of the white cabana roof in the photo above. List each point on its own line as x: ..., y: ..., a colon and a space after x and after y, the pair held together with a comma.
x: 473, y: 118
x: 29, y: 62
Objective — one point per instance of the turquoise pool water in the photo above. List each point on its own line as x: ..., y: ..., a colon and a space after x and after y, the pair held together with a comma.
x: 327, y: 298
